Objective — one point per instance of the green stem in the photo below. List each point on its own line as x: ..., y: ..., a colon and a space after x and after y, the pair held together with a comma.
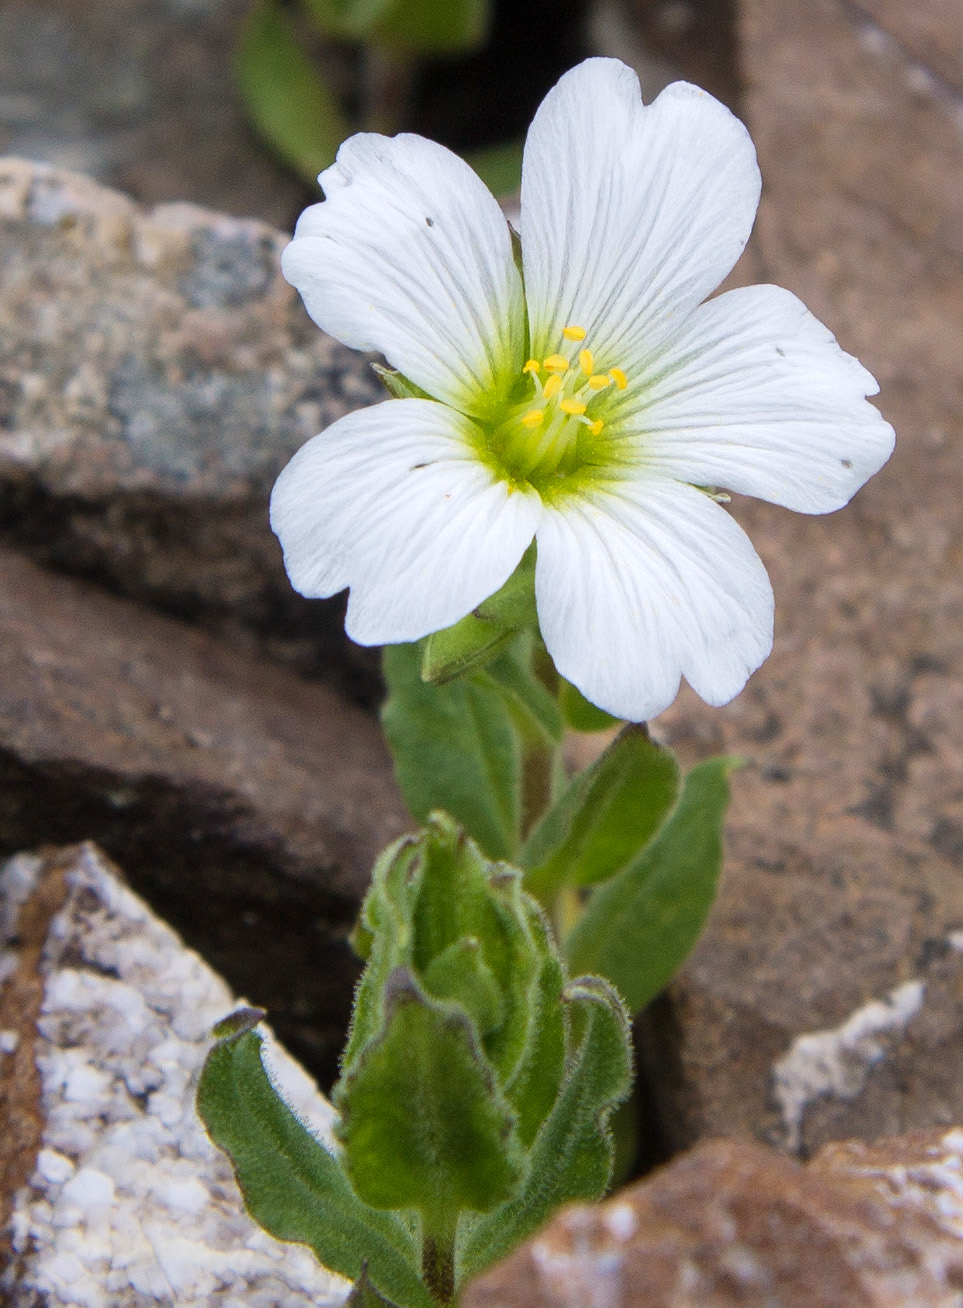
x: 438, y: 1259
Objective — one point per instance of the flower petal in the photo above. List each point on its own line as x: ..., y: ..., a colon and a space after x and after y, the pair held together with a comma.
x: 644, y: 582
x: 410, y: 255
x: 631, y: 214
x: 755, y: 395
x: 393, y: 502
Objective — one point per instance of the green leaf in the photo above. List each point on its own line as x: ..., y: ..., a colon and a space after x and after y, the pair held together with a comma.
x: 580, y: 713
x: 638, y: 929
x: 291, y: 1184
x: 608, y: 814
x: 433, y: 26
x: 455, y: 748
x: 364, y: 1295
x: 571, y: 1158
x: 499, y: 166
x: 423, y: 1122
x: 288, y: 102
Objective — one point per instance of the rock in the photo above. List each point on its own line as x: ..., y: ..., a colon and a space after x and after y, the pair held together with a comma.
x: 156, y: 372
x: 247, y: 803
x: 139, y: 95
x: 733, y: 1225
x: 825, y: 999
x: 117, y: 1196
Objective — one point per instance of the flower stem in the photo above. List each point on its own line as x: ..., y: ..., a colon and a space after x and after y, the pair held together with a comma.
x: 387, y: 83
x: 438, y: 1259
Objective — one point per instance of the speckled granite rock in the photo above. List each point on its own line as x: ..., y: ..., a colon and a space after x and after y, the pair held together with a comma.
x: 246, y: 802
x: 846, y: 836
x: 111, y: 1195
x: 156, y: 372
x: 732, y: 1225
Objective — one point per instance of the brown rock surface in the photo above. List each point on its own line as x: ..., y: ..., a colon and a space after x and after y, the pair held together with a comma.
x: 846, y: 837
x: 245, y: 802
x: 156, y: 372
x: 732, y: 1225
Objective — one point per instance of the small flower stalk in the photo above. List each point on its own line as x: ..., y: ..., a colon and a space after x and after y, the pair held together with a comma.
x: 534, y: 526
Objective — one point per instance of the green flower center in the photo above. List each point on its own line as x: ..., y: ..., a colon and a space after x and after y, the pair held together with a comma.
x: 555, y: 430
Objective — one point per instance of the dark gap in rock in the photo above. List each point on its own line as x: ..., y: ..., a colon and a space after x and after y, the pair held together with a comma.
x: 278, y: 939
x: 181, y: 558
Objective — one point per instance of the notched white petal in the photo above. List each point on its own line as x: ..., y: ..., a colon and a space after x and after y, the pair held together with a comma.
x: 631, y: 214
x: 411, y: 256
x: 646, y: 582
x: 755, y: 395
x: 392, y: 502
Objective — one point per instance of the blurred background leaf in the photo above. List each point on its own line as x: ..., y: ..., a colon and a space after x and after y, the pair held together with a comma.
x: 287, y: 100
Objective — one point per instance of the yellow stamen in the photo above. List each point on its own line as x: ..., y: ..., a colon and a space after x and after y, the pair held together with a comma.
x: 619, y: 377
x: 533, y: 365
x: 572, y: 406
x: 598, y: 382
x: 533, y: 418
x: 556, y: 363
x: 586, y: 362
x: 574, y: 333
x: 552, y: 386
x: 596, y: 426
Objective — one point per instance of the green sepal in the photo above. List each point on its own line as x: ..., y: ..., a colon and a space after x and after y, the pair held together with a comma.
x: 609, y: 814
x: 423, y: 1079
x: 580, y: 713
x: 638, y: 929
x: 292, y: 1185
x: 398, y: 385
x: 571, y: 1158
x: 287, y: 100
x: 364, y: 1294
x: 474, y: 641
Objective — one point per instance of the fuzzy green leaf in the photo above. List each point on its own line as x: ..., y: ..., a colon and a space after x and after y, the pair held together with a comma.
x: 638, y: 928
x: 455, y: 748
x: 292, y: 1185
x: 571, y: 1158
x: 365, y: 1295
x: 609, y: 814
x: 423, y: 1122
x: 288, y: 102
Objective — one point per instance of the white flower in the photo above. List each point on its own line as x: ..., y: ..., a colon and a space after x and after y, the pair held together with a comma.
x: 587, y: 397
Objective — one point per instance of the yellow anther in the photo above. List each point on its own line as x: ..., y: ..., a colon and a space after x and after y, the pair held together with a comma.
x: 572, y: 406
x: 596, y: 426
x: 533, y: 365
x: 574, y: 333
x: 599, y: 382
x: 533, y: 418
x: 619, y: 377
x: 586, y: 362
x: 552, y: 386
x: 556, y: 363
